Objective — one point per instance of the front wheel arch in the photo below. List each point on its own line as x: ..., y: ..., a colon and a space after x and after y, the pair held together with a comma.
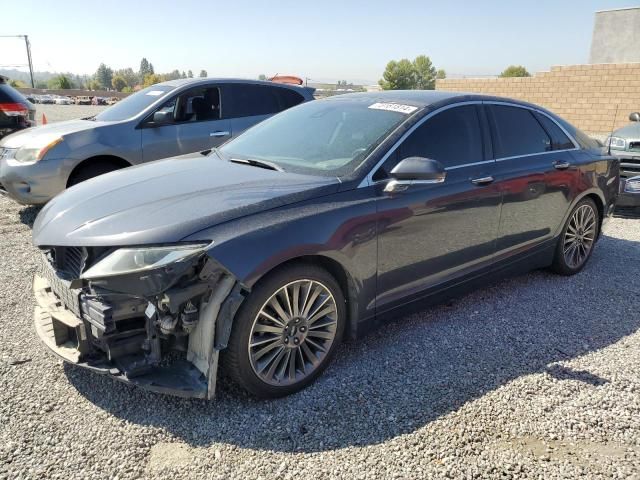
x: 111, y: 160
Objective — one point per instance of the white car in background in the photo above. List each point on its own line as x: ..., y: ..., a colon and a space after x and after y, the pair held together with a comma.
x: 60, y: 100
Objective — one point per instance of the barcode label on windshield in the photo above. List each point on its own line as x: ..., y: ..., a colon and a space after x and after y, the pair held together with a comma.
x: 394, y: 107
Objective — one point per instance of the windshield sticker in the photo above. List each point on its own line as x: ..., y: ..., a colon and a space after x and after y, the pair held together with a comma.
x: 155, y: 93
x: 394, y: 107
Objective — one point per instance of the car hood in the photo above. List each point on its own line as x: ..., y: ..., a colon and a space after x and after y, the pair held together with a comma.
x: 31, y: 135
x: 631, y: 131
x: 166, y: 201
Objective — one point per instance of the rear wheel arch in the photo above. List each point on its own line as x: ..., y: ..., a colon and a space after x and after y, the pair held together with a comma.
x: 111, y: 161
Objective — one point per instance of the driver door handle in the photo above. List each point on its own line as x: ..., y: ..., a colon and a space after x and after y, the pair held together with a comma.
x: 218, y: 134
x: 482, y: 180
x: 561, y: 165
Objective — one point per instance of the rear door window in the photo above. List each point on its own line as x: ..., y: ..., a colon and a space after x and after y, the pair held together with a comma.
x: 516, y: 132
x: 253, y: 100
x: 453, y: 137
x: 559, y: 140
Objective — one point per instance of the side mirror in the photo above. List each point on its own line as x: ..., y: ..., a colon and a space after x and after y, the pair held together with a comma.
x: 162, y: 118
x: 635, y: 117
x: 415, y: 170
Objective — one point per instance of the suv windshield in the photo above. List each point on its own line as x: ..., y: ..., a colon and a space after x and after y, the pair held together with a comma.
x: 134, y: 104
x: 325, y: 137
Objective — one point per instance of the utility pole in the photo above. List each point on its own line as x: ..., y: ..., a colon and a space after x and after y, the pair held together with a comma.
x: 26, y: 41
x: 28, y: 45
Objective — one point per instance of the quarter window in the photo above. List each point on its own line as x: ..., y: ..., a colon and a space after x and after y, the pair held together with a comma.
x: 559, y: 140
x: 452, y: 137
x: 517, y: 132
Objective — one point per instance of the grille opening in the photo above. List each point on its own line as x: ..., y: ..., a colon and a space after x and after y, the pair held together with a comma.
x: 130, y: 324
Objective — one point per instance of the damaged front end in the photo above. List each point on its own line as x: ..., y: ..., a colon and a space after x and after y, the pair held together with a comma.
x: 156, y: 317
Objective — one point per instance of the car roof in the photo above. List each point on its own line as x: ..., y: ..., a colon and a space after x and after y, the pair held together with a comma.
x: 426, y: 98
x: 180, y: 82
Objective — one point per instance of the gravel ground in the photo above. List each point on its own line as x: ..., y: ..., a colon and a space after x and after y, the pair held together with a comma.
x: 532, y: 377
x: 57, y: 113
x: 535, y: 377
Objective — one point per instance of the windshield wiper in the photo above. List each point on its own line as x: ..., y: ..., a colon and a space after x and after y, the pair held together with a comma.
x: 91, y: 118
x: 257, y: 163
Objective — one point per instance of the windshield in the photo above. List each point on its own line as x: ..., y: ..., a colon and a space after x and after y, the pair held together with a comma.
x: 133, y: 104
x: 324, y: 137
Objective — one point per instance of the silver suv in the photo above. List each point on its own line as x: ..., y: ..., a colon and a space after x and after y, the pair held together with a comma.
x: 164, y: 120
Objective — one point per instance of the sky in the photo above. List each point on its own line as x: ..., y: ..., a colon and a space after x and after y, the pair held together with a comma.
x: 323, y: 41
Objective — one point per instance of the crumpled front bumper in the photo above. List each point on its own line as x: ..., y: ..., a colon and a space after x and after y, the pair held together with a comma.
x: 69, y: 337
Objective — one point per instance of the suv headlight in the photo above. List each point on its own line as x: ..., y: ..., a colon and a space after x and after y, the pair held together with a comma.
x: 35, y: 150
x: 143, y: 259
x: 616, y: 143
x: 632, y: 185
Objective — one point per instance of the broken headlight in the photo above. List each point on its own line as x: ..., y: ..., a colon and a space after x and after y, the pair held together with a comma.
x: 142, y: 259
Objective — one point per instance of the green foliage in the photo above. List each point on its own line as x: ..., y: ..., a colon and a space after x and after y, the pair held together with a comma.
x: 118, y: 82
x: 146, y: 68
x: 441, y: 74
x: 399, y: 75
x: 203, y: 74
x: 152, y: 79
x: 127, y: 90
x: 406, y: 75
x: 515, y: 71
x: 262, y: 76
x: 104, y: 76
x: 61, y: 82
x: 17, y: 84
x: 41, y: 84
x: 130, y: 77
x: 189, y: 74
x: 93, y: 84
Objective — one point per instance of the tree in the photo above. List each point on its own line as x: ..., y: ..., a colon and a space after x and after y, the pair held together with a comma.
x: 151, y: 79
x: 398, y: 76
x: 130, y: 77
x: 189, y: 74
x: 441, y: 74
x: 118, y: 82
x: 425, y: 73
x: 17, y: 84
x: 104, y: 76
x: 93, y: 84
x: 41, y: 84
x: 262, y: 76
x: 515, y: 71
x: 145, y: 68
x: 203, y: 74
x: 174, y: 75
x: 61, y: 82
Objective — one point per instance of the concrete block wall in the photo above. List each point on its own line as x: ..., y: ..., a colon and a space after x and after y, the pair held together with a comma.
x: 585, y: 95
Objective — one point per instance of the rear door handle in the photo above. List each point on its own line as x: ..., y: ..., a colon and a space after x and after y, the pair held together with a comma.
x: 561, y: 165
x: 482, y: 180
x: 218, y: 134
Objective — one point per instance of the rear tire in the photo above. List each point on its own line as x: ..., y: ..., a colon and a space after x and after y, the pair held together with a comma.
x: 91, y: 170
x: 578, y: 239
x: 278, y: 351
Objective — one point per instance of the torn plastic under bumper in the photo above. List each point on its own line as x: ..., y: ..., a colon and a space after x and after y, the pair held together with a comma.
x: 69, y: 337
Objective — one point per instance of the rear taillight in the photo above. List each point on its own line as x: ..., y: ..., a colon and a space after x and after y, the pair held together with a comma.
x: 14, y: 109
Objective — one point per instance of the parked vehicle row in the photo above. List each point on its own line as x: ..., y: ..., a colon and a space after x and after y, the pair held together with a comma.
x: 70, y: 100
x: 261, y: 254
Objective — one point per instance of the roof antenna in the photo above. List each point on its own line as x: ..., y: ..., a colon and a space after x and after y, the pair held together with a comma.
x: 613, y: 127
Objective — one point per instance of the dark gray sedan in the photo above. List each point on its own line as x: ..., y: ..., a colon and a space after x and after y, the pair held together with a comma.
x: 312, y: 226
x: 164, y: 120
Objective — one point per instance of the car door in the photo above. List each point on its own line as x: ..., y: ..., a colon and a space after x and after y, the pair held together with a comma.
x: 430, y: 234
x: 532, y: 176
x: 195, y: 125
x: 249, y: 104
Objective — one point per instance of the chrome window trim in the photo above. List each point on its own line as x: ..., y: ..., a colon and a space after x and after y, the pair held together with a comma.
x: 368, y: 179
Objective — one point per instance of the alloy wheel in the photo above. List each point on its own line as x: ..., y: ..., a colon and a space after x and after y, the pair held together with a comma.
x: 293, y: 332
x: 579, y: 236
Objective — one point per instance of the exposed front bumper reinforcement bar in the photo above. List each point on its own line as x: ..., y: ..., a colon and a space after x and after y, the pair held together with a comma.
x: 69, y: 337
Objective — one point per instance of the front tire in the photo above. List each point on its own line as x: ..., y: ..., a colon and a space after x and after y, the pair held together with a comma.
x: 578, y: 238
x: 286, y: 332
x: 91, y: 170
